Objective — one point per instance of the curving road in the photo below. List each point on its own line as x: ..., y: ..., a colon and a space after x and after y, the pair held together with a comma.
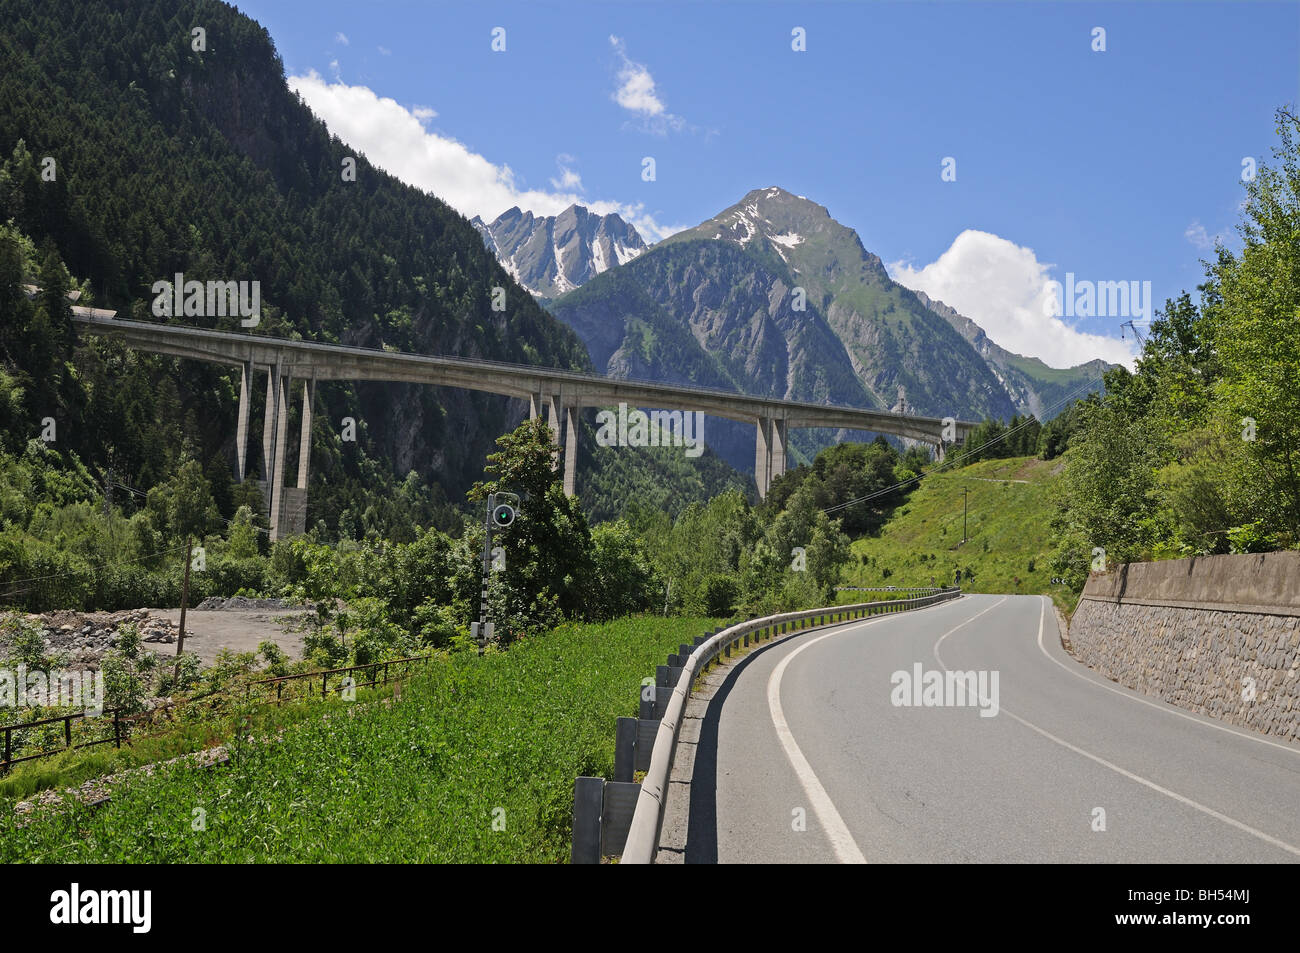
x: 807, y: 727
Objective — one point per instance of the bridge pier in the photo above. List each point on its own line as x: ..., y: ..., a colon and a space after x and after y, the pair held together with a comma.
x: 278, y: 448
x: 770, y: 438
x: 304, y: 438
x: 777, y: 466
x: 268, y: 430
x: 552, y: 402
x: 565, y: 437
x: 241, y: 428
x: 570, y: 450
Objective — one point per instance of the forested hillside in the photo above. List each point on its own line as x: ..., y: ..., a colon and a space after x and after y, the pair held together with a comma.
x: 169, y: 159
x: 130, y: 156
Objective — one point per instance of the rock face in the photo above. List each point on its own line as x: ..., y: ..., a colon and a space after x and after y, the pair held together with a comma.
x: 552, y: 254
x: 1032, y: 386
x: 890, y: 339
x: 1171, y: 629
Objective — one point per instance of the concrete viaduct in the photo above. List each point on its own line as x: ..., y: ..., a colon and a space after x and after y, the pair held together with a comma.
x: 557, y: 393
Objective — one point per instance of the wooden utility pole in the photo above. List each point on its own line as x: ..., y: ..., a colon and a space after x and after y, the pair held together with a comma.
x: 185, y: 600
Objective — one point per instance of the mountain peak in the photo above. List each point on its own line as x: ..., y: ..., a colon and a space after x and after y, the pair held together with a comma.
x: 552, y: 254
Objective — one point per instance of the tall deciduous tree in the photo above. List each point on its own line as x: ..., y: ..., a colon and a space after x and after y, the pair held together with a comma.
x: 548, y: 549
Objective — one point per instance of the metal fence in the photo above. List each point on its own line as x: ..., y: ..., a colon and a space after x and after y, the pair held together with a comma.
x: 343, y: 678
x: 113, y: 727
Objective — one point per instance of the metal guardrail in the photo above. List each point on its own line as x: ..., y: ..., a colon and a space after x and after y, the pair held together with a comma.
x: 641, y: 842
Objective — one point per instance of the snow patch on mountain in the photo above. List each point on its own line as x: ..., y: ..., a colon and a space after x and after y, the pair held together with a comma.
x: 550, y: 255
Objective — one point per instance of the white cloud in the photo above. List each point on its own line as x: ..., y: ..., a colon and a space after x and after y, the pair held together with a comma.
x: 636, y: 90
x: 1198, y: 236
x: 636, y: 93
x: 394, y: 138
x: 1007, y: 291
x: 341, y: 37
x: 423, y: 113
x: 568, y: 179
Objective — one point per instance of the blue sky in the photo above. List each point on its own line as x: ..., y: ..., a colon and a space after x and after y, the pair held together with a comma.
x: 1119, y: 165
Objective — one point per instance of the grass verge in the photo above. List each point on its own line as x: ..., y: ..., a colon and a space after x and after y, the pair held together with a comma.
x: 475, y: 763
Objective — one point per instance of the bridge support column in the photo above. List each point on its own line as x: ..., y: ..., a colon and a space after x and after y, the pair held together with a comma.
x: 241, y: 427
x: 534, y: 406
x: 304, y: 438
x: 938, y: 452
x: 553, y: 419
x: 278, y: 448
x: 570, y: 450
x: 762, y: 455
x: 777, y: 466
x: 268, y: 430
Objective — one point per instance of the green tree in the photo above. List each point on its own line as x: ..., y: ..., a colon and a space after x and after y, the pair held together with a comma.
x: 548, y: 548
x: 1254, y: 321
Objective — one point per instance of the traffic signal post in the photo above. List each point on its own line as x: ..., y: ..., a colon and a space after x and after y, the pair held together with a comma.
x: 502, y: 508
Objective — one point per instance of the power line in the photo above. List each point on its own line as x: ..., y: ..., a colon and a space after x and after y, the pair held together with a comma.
x: 131, y: 489
x: 92, y: 566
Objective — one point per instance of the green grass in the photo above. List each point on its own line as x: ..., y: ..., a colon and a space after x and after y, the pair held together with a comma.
x: 419, y: 780
x: 922, y: 540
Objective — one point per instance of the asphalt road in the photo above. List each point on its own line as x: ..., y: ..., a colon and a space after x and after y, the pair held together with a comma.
x: 807, y: 729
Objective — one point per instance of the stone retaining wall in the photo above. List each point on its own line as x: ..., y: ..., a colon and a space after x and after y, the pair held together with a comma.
x: 1217, y: 635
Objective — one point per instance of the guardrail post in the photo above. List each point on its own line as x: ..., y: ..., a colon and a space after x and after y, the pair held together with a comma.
x: 588, y: 800
x: 624, y: 748
x: 618, y: 804
x: 117, y: 729
x: 746, y: 640
x: 646, y: 729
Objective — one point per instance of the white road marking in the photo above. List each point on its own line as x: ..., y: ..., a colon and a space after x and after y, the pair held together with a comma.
x: 1233, y: 822
x: 1158, y: 707
x: 842, y: 843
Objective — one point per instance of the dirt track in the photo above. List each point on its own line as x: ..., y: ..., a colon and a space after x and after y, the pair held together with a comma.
x: 209, y: 631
